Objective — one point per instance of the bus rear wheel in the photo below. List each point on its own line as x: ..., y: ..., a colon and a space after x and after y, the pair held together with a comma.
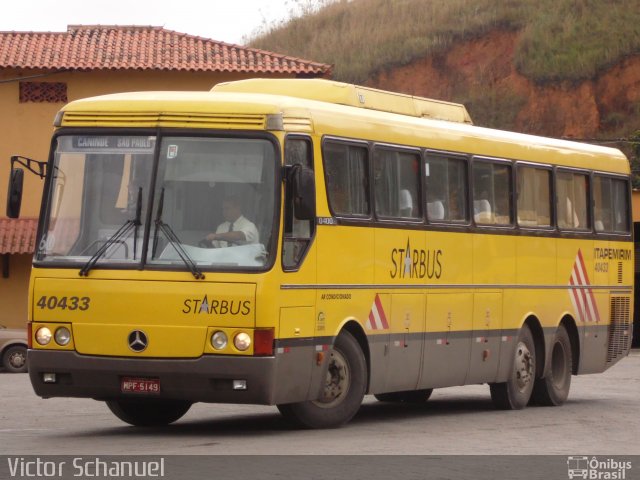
x: 147, y: 412
x: 553, y: 389
x: 412, y: 396
x: 343, y: 391
x: 514, y: 394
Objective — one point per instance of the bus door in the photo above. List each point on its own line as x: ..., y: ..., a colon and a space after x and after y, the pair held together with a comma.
x: 296, y: 329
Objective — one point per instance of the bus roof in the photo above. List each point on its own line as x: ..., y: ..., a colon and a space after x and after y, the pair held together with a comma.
x: 332, y: 108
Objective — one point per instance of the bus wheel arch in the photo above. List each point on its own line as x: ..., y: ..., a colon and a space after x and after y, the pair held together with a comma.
x: 553, y: 388
x: 343, y: 391
x: 356, y: 330
x: 538, y: 338
x: 574, y: 337
x: 515, y: 392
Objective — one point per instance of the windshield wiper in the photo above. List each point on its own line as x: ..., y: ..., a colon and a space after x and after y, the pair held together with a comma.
x: 117, y: 237
x: 174, y: 241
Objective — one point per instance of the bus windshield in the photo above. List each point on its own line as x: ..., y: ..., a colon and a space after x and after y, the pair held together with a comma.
x: 213, y: 201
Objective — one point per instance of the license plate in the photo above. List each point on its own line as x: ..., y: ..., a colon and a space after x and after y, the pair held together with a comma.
x: 140, y: 385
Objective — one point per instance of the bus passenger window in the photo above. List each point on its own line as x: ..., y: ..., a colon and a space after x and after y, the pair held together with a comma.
x: 534, y: 201
x: 611, y: 204
x: 446, y: 186
x: 345, y: 169
x: 396, y: 179
x: 572, y: 190
x: 492, y: 193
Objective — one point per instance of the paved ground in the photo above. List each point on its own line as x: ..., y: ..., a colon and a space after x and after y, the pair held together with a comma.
x: 602, y: 417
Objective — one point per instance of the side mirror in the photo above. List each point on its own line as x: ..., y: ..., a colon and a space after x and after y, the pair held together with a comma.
x: 304, y: 193
x: 14, y: 193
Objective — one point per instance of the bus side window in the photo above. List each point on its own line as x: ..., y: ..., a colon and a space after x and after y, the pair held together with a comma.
x: 534, y: 205
x: 396, y: 177
x: 492, y: 193
x: 446, y: 187
x: 297, y: 233
x: 611, y: 205
x: 345, y: 170
x: 572, y: 190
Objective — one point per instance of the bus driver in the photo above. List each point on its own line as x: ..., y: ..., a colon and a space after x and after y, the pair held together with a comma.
x: 236, y: 229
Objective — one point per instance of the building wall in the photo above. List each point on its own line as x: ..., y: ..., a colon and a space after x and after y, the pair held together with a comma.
x: 26, y: 128
x: 14, y: 292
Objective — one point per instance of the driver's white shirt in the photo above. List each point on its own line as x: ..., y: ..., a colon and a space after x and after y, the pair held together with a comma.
x: 241, y: 224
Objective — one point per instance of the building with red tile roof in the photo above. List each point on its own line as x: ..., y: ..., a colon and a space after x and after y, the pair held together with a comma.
x: 110, y: 47
x: 41, y: 71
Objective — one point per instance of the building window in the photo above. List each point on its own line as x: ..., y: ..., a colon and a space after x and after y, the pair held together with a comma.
x: 43, y: 92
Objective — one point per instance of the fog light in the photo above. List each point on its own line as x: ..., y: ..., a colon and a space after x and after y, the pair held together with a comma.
x: 239, y: 384
x: 242, y: 341
x: 49, y: 377
x: 62, y: 336
x: 43, y: 336
x: 219, y: 340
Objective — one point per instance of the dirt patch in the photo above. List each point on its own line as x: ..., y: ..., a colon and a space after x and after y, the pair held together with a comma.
x: 473, y: 70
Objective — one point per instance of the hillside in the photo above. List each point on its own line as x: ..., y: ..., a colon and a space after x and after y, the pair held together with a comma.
x: 563, y: 68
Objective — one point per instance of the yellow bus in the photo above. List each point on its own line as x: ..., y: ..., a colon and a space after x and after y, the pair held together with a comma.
x: 303, y: 243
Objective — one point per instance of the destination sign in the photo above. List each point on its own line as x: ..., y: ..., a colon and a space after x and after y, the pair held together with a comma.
x: 110, y: 142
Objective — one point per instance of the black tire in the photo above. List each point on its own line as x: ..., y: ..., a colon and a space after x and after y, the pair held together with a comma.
x: 343, y: 392
x: 147, y: 412
x: 412, y: 396
x: 514, y: 394
x: 553, y: 389
x: 14, y: 359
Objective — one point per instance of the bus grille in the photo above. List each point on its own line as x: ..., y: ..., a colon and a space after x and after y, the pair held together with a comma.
x: 619, y: 329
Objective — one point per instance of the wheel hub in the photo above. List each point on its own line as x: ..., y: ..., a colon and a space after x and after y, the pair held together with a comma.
x: 17, y: 359
x: 524, y: 366
x: 337, y: 381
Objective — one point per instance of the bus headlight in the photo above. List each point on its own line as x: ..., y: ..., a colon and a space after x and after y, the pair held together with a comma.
x: 62, y: 336
x: 242, y: 341
x: 43, y: 335
x: 219, y: 340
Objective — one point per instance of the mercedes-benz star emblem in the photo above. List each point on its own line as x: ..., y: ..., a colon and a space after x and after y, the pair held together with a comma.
x: 138, y: 341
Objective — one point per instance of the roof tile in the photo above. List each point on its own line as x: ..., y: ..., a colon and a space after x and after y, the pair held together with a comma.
x: 18, y: 235
x: 113, y: 47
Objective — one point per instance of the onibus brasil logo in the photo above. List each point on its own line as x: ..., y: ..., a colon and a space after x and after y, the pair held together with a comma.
x: 597, y: 469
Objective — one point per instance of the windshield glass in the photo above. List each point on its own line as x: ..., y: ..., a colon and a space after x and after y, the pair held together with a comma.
x: 99, y: 184
x: 214, y: 200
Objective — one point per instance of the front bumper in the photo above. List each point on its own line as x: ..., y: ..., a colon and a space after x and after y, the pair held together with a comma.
x: 205, y: 379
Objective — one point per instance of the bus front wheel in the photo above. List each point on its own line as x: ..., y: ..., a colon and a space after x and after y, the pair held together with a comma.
x: 553, y: 389
x: 514, y: 394
x: 148, y: 413
x: 342, y: 393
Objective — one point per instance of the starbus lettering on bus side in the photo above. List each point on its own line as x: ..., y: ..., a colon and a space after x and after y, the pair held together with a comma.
x: 415, y: 263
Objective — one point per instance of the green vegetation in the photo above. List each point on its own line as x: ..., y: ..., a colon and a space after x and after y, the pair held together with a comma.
x: 558, y: 41
x: 561, y: 39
